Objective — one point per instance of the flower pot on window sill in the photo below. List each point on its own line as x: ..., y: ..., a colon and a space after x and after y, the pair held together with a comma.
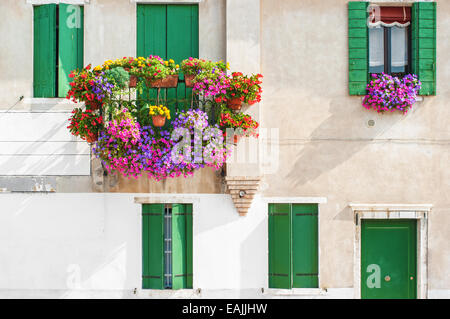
x: 234, y: 103
x: 158, y: 120
x: 171, y: 81
x: 188, y: 78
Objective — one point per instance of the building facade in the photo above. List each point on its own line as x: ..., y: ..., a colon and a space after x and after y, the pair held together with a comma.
x: 343, y: 202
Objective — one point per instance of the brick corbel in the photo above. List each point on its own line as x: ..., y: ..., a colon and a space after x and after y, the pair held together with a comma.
x: 242, y: 190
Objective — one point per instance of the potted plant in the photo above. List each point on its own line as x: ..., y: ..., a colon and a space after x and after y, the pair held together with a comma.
x: 85, y: 124
x: 390, y: 93
x: 157, y: 74
x: 191, y: 67
x: 242, y: 124
x: 243, y: 89
x: 159, y: 113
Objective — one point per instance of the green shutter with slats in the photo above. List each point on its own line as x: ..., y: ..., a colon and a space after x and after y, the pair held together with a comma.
x: 358, y: 50
x: 305, y: 245
x: 170, y: 31
x: 182, y: 42
x: 189, y: 246
x: 151, y: 36
x: 153, y: 246
x: 279, y: 246
x: 70, y: 44
x: 181, y: 246
x: 44, y: 55
x: 424, y: 45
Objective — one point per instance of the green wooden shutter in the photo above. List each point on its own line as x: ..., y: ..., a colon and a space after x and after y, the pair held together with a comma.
x: 189, y: 246
x: 44, y: 55
x: 305, y: 245
x: 279, y: 246
x: 151, y: 36
x: 70, y: 48
x: 152, y: 246
x: 357, y: 47
x: 181, y: 253
x: 424, y: 45
x: 182, y: 43
x: 170, y: 31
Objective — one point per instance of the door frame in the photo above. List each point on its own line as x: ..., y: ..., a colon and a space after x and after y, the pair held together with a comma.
x: 394, y: 211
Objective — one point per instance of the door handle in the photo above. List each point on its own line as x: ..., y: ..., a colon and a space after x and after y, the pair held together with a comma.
x: 387, y: 278
x: 411, y: 278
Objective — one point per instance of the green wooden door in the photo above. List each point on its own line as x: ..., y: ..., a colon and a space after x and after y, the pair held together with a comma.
x: 170, y: 31
x: 388, y: 259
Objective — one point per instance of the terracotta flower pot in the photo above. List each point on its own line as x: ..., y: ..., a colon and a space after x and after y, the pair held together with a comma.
x: 158, y: 120
x: 90, y: 139
x: 188, y: 78
x: 171, y: 81
x: 234, y: 103
x: 133, y: 81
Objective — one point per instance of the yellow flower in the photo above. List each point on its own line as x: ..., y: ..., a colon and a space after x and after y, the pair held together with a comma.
x: 177, y: 66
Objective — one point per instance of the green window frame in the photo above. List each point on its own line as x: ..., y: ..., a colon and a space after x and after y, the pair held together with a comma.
x: 170, y: 31
x: 293, y: 246
x: 57, y: 49
x: 161, y: 259
x: 423, y: 46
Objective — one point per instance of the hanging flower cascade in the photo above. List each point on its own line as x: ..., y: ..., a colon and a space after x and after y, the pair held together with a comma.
x: 390, y: 93
x: 128, y: 142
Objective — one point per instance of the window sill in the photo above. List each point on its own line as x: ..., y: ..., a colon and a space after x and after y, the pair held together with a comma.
x: 168, y: 293
x: 295, y: 292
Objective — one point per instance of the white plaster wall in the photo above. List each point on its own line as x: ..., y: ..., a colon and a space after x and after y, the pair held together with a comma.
x: 48, y: 241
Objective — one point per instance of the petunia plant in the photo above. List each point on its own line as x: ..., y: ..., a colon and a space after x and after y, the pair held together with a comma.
x: 129, y: 133
x: 390, y: 93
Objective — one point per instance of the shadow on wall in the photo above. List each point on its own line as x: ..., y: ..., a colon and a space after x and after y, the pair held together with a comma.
x: 322, y: 153
x: 254, y: 264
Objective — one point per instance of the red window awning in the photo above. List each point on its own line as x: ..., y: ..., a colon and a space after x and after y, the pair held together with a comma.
x: 389, y: 16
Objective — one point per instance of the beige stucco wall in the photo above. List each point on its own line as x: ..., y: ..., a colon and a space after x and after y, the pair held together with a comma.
x: 328, y: 149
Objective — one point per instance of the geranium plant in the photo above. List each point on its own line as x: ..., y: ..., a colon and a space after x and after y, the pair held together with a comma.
x: 390, y: 93
x: 243, y: 124
x: 246, y: 88
x: 85, y: 124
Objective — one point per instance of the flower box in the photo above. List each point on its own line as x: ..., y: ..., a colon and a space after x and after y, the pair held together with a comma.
x: 170, y: 81
x: 188, y: 80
